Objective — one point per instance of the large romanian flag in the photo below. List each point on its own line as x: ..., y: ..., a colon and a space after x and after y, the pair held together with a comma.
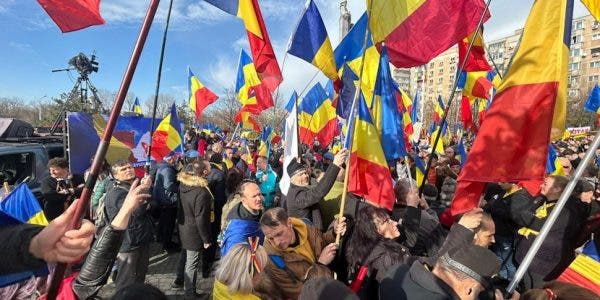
x: 200, y: 96
x: 260, y: 45
x: 416, y: 31
x: 252, y: 92
x: 369, y: 176
x: 512, y: 143
x: 311, y: 43
x: 386, y: 115
x: 167, y: 136
x: 316, y: 117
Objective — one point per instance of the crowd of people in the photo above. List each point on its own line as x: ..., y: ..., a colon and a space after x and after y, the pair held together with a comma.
x: 220, y: 203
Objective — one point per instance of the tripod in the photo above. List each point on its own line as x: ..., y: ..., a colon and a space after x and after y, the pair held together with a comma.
x: 81, y: 87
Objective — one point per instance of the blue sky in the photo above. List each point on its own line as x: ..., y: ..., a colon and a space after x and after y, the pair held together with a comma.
x: 200, y: 36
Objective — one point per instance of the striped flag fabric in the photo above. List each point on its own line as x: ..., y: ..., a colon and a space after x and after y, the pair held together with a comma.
x: 592, y: 104
x: 350, y: 51
x: 369, y: 175
x: 553, y: 165
x: 386, y: 115
x: 252, y: 93
x: 136, y: 107
x: 260, y: 44
x: 475, y: 84
x: 167, y: 136
x: 245, y: 118
x: 438, y: 110
x: 316, y: 117
x: 73, y: 15
x: 200, y: 96
x: 311, y: 43
x: 476, y: 60
x: 21, y: 206
x: 411, y: 28
x: 584, y: 271
x: 419, y: 170
x: 527, y: 111
x: 291, y: 104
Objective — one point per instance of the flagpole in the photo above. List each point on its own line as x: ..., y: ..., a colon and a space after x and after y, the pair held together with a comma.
x: 351, y: 138
x: 564, y: 197
x: 458, y: 72
x: 83, y: 203
x: 160, y: 64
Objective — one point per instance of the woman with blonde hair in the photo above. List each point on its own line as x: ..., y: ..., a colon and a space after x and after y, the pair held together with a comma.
x: 237, y: 275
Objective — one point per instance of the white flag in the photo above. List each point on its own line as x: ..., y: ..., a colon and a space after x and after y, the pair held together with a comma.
x: 291, y: 148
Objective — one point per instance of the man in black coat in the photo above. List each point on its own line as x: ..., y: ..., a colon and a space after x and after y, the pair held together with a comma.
x: 462, y: 273
x: 195, y: 216
x: 164, y: 193
x: 134, y: 254
x: 301, y: 200
x: 60, y: 188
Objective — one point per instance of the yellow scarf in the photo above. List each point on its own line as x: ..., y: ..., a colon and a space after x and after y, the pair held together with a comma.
x: 540, y: 213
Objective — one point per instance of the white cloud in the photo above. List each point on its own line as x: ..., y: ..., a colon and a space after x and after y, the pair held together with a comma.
x: 222, y: 74
x: 22, y: 47
x: 241, y: 43
x: 6, y: 5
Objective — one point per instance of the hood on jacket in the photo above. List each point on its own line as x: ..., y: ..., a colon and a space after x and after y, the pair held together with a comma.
x: 191, y: 180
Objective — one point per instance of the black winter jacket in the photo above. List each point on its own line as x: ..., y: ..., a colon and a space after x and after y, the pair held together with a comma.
x: 196, y: 212
x: 140, y: 231
x: 303, y: 202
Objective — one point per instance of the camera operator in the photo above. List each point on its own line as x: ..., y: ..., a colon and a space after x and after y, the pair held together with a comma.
x: 60, y: 188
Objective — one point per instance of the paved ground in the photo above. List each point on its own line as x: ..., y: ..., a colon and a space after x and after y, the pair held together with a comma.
x: 161, y: 274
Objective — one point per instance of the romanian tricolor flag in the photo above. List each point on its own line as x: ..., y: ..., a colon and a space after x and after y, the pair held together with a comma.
x: 553, y: 165
x: 167, y: 136
x: 439, y: 148
x: 386, y: 115
x: 245, y: 117
x: 136, y: 107
x: 475, y: 85
x: 21, y: 206
x: 200, y: 96
x: 369, y: 175
x: 584, y: 271
x: 260, y: 45
x: 416, y: 31
x: 252, y: 93
x: 438, y: 110
x: 592, y: 104
x: 461, y: 152
x: 350, y: 51
x: 529, y: 108
x: 405, y: 106
x: 419, y: 170
x: 414, y: 114
x: 476, y: 60
x: 311, y: 43
x: 316, y: 117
